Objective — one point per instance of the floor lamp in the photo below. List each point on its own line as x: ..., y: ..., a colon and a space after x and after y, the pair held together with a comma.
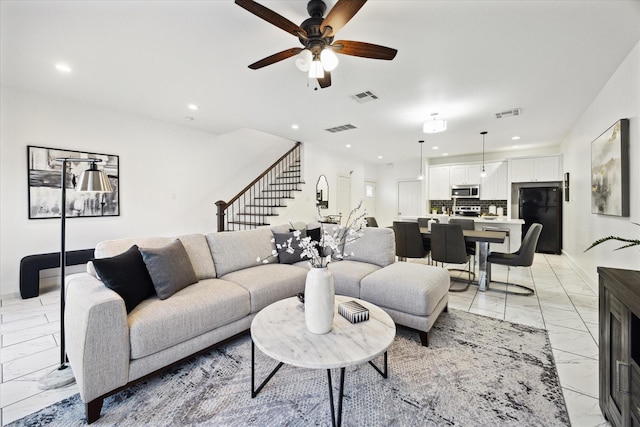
x: 91, y: 180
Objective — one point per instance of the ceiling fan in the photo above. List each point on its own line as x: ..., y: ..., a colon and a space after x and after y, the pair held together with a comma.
x: 316, y: 35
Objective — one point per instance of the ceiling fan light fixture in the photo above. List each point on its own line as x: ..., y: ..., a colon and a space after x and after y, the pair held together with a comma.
x: 329, y: 59
x: 435, y: 125
x: 315, y: 70
x: 303, y: 60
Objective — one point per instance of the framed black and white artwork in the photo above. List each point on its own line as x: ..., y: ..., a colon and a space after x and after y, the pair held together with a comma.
x: 610, y: 171
x: 45, y: 178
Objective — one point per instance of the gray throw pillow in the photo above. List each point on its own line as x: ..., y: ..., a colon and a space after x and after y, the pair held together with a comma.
x: 284, y: 254
x: 169, y: 267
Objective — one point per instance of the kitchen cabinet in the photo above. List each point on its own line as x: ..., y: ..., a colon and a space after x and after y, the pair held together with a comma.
x: 464, y: 174
x: 619, y: 346
x: 439, y: 187
x: 495, y: 185
x: 536, y: 169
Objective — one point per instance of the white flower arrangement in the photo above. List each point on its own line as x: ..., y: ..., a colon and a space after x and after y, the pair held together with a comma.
x: 332, y: 243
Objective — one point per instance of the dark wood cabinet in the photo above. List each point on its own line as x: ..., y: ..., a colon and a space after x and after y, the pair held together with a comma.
x: 619, y: 349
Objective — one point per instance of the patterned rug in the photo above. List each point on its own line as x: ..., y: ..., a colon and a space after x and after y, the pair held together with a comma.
x: 477, y: 371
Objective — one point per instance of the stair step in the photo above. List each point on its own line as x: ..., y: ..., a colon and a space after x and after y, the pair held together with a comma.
x: 272, y: 198
x: 255, y: 214
x: 281, y: 191
x: 266, y: 206
x: 253, y: 224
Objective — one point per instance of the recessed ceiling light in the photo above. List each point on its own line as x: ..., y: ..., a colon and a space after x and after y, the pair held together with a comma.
x: 63, y: 68
x: 348, y: 145
x: 379, y: 157
x: 193, y: 107
x: 515, y: 146
x: 445, y: 154
x: 295, y: 126
x: 435, y: 147
x: 515, y: 138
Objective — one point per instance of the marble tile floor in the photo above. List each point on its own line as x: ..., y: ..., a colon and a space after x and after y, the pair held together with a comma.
x: 563, y: 304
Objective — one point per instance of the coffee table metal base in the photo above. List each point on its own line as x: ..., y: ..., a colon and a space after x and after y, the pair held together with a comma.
x: 336, y: 418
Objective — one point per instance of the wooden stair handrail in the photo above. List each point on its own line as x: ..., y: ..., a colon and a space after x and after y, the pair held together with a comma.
x: 222, y: 205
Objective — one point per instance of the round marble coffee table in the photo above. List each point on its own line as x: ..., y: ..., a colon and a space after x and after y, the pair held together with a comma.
x: 279, y: 332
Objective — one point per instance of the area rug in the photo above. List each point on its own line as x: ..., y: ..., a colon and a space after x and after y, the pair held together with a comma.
x: 477, y: 371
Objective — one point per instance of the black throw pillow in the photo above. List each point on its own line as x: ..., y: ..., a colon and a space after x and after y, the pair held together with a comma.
x: 315, y: 234
x: 284, y: 254
x: 127, y: 275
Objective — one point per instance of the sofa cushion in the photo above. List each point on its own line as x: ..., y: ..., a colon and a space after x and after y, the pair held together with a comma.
x: 159, y: 324
x: 127, y: 275
x: 235, y: 250
x: 169, y: 267
x: 375, y: 246
x: 288, y: 246
x: 268, y: 283
x: 407, y: 287
x: 198, y: 249
x: 195, y: 244
x: 347, y: 275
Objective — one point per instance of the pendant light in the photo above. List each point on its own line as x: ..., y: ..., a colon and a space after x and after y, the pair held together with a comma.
x: 421, y: 175
x: 483, y: 174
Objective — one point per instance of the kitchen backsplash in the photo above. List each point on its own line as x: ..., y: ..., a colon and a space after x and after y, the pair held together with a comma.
x: 484, y: 204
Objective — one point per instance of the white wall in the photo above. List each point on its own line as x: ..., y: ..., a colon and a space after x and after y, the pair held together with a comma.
x: 319, y: 161
x: 619, y: 98
x: 170, y: 176
x: 388, y: 177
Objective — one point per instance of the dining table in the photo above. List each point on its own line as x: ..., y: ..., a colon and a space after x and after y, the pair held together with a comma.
x: 483, y: 238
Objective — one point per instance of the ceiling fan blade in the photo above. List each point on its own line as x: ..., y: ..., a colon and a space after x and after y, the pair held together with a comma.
x: 340, y: 14
x: 365, y: 50
x: 276, y: 57
x: 325, y: 81
x: 272, y: 17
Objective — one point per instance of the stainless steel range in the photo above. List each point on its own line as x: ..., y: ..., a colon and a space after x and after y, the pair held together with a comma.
x: 467, y: 210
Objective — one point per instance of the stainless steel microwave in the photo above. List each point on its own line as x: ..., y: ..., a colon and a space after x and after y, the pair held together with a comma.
x: 465, y: 191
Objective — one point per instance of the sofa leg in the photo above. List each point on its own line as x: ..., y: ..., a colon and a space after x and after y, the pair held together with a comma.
x: 446, y: 309
x: 424, y: 338
x: 93, y: 409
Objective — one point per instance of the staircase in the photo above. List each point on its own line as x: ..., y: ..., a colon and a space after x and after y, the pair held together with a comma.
x: 257, y: 203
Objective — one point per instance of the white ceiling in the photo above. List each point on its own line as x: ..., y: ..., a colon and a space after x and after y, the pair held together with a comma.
x: 465, y: 60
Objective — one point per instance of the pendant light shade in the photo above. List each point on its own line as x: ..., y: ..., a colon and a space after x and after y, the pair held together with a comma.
x: 483, y: 174
x: 435, y: 125
x: 95, y: 180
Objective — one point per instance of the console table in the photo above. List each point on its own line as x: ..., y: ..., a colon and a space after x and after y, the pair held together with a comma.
x: 619, y: 346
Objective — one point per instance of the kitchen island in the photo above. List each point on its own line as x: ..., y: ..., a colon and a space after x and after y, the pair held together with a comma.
x: 512, y: 226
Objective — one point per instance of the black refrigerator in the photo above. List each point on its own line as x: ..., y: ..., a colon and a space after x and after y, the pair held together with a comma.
x: 544, y: 206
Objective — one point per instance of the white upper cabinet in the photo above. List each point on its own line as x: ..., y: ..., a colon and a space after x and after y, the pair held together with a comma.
x: 536, y: 169
x: 439, y: 187
x: 465, y: 174
x: 495, y: 185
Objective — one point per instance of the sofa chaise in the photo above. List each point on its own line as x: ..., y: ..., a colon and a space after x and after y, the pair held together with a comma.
x: 112, y: 343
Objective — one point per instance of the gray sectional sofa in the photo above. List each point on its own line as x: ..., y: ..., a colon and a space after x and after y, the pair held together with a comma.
x: 111, y: 344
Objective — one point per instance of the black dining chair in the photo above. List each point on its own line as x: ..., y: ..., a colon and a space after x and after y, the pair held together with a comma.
x: 467, y: 224
x: 448, y: 246
x: 426, y: 241
x: 371, y: 221
x: 523, y: 257
x: 408, y: 240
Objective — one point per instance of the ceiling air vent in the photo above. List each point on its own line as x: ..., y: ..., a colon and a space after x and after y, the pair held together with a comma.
x: 507, y: 113
x: 341, y: 128
x: 363, y: 97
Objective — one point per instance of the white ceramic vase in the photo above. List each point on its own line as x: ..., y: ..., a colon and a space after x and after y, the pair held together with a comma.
x: 319, y: 300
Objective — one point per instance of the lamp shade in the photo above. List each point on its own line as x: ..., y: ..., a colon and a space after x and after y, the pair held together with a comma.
x: 316, y: 71
x: 93, y: 179
x: 303, y: 60
x: 329, y: 59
